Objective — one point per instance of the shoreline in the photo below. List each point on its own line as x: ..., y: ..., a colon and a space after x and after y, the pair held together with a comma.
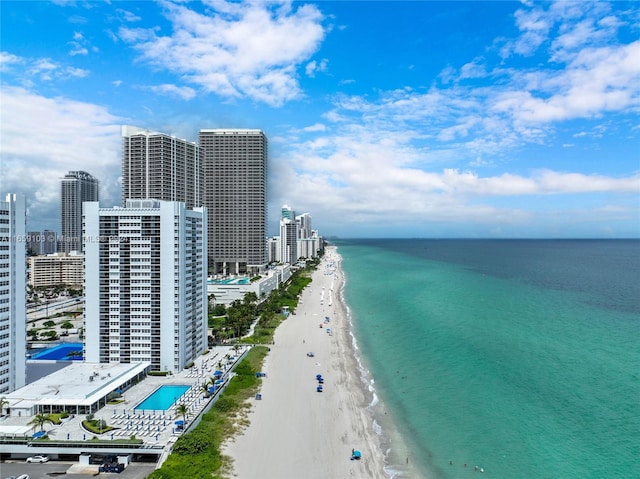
x: 295, y: 431
x: 397, y: 464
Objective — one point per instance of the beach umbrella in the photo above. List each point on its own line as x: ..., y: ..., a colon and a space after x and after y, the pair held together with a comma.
x: 218, y: 373
x: 179, y: 423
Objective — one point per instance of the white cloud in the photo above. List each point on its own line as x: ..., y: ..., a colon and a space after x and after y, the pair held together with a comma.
x: 315, y: 127
x: 184, y: 92
x: 28, y: 70
x: 70, y: 135
x: 7, y: 59
x: 596, y: 80
x: 236, y: 50
x: 127, y: 16
x: 78, y: 45
x: 313, y: 67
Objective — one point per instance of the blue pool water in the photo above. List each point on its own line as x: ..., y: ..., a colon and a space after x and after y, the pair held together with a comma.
x: 229, y: 281
x: 60, y: 353
x: 163, y: 398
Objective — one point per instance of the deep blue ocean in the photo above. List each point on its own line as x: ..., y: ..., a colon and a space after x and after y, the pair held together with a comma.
x: 521, y: 357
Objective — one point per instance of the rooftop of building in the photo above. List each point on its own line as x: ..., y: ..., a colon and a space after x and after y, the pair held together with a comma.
x: 79, y: 384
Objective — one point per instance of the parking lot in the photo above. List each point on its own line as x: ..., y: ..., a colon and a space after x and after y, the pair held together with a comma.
x: 60, y: 468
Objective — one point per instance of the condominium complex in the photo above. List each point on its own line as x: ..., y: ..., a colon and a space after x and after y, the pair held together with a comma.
x: 145, y: 283
x: 311, y: 246
x: 288, y: 241
x: 56, y: 269
x: 296, y: 240
x: 159, y: 166
x: 75, y: 188
x: 13, y: 329
x: 288, y: 236
x: 304, y: 225
x: 235, y: 194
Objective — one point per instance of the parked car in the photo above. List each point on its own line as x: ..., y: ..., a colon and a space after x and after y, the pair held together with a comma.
x: 112, y: 467
x: 38, y: 459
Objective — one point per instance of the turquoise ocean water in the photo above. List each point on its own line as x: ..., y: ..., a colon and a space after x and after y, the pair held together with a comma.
x: 521, y: 357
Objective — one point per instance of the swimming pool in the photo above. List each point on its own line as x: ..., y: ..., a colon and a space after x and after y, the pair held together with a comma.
x: 229, y: 281
x: 163, y: 398
x: 61, y: 352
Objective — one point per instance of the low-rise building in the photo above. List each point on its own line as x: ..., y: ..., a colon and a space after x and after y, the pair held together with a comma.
x: 55, y: 269
x: 227, y: 290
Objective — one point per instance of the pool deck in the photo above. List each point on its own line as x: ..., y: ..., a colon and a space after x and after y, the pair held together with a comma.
x: 154, y: 427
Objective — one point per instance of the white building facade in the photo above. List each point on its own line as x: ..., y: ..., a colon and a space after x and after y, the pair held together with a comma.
x: 13, y: 332
x: 145, y: 283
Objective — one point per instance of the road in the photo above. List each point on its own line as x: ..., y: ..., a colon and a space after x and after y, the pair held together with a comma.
x: 43, y: 311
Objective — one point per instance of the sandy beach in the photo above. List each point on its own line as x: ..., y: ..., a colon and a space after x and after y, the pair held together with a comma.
x: 294, y: 430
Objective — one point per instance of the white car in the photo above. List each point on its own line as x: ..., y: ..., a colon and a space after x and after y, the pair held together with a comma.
x: 38, y: 459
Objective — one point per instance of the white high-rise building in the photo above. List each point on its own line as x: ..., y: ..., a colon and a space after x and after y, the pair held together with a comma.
x: 235, y: 194
x: 304, y: 225
x: 160, y: 166
x: 288, y: 235
x: 75, y: 188
x: 13, y: 276
x: 288, y: 241
x: 145, y: 283
x: 310, y: 247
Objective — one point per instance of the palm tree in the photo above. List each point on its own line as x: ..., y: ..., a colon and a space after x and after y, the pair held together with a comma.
x: 39, y: 420
x: 182, y: 410
x: 205, y: 388
x: 3, y: 402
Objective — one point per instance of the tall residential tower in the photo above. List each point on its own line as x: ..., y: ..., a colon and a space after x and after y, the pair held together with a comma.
x: 235, y: 194
x: 159, y: 166
x: 13, y: 275
x: 75, y: 188
x: 145, y: 283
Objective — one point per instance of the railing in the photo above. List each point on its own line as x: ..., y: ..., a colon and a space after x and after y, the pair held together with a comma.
x: 79, y: 444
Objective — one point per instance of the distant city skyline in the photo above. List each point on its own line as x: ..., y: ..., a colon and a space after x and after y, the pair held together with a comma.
x: 416, y: 119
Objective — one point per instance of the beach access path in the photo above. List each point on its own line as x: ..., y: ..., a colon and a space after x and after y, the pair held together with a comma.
x: 294, y: 430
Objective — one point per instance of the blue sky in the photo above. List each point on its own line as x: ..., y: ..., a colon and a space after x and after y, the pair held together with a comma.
x: 384, y: 119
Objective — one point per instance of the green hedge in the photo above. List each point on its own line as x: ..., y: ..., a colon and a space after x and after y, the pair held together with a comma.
x: 196, y: 454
